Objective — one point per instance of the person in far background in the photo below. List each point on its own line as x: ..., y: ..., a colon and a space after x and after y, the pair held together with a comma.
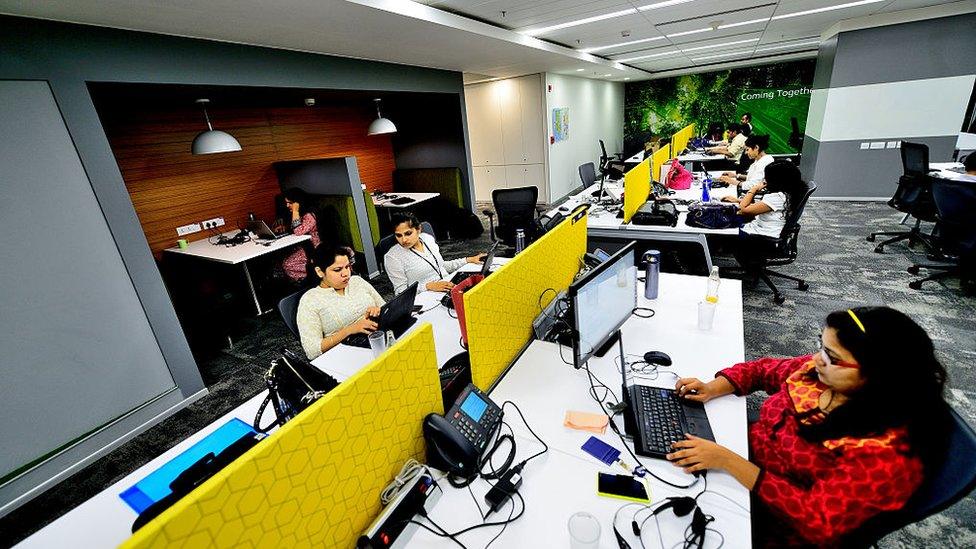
x: 970, y: 166
x: 417, y: 258
x: 756, y: 151
x: 746, y: 122
x: 301, y: 221
x: 732, y: 151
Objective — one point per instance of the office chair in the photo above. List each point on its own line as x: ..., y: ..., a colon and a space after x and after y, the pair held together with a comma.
x: 785, y: 249
x: 955, y: 202
x: 516, y: 210
x: 587, y: 173
x: 913, y: 196
x: 288, y: 307
x: 795, y: 139
x: 387, y: 242
x: 951, y: 481
x: 606, y: 161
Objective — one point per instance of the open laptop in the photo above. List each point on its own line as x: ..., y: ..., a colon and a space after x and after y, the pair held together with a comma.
x: 262, y: 231
x: 394, y: 316
x: 485, y: 267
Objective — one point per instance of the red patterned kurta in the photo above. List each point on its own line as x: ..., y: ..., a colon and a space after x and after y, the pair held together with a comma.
x: 819, y: 490
x: 294, y: 264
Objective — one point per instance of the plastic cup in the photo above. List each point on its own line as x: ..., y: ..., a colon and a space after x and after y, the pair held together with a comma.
x: 182, y: 243
x: 377, y: 342
x: 584, y: 531
x: 706, y: 315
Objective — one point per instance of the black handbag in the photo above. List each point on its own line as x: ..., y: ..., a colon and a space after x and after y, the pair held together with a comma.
x: 293, y: 385
x: 713, y: 216
x: 656, y: 212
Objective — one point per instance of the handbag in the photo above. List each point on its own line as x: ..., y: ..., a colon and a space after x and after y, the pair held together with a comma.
x: 678, y: 177
x: 293, y: 385
x: 709, y: 215
x: 656, y: 212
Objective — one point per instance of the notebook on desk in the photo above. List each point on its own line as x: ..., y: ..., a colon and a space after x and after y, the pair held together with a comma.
x: 394, y: 316
x: 485, y: 267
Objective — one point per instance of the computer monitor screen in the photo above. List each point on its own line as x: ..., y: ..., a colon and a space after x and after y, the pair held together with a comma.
x: 601, y: 301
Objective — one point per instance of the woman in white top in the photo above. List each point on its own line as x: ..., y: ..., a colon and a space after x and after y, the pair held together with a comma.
x: 340, y: 306
x: 784, y: 189
x: 418, y: 259
x: 756, y: 151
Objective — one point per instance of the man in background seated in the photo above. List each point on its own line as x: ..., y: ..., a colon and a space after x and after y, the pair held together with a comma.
x: 746, y: 122
x: 732, y: 151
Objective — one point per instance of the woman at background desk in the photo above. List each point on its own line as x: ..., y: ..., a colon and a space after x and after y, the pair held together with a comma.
x: 340, y: 306
x: 417, y: 258
x: 301, y: 221
x: 756, y: 146
x: 847, y: 432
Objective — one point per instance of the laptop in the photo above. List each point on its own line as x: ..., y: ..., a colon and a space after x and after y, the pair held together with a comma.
x: 263, y: 232
x: 394, y: 316
x: 485, y: 268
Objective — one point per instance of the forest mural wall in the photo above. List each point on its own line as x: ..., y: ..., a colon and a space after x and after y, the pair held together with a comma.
x: 772, y: 93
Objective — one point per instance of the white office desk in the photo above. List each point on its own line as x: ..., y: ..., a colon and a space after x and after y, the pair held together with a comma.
x: 564, y: 480
x: 239, y: 254
x: 415, y: 198
x: 942, y: 170
x: 699, y: 157
x: 603, y: 223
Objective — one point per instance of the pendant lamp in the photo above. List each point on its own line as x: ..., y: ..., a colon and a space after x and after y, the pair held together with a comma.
x: 212, y: 141
x: 380, y: 125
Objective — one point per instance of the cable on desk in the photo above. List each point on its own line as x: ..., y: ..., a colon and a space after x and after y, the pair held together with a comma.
x: 411, y: 468
x: 648, y: 312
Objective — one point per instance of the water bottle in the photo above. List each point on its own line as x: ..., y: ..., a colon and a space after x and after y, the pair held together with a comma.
x: 711, y: 295
x: 519, y: 240
x: 706, y: 185
x: 652, y: 265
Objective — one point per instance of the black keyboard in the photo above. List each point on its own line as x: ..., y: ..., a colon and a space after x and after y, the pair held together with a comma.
x: 663, y: 418
x: 401, y: 201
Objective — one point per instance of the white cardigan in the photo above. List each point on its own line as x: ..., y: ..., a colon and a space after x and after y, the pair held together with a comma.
x: 406, y: 266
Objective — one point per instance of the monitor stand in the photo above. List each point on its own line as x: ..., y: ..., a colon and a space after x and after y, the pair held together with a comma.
x: 602, y: 350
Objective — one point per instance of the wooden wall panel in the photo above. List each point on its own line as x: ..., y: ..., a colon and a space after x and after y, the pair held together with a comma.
x: 170, y: 187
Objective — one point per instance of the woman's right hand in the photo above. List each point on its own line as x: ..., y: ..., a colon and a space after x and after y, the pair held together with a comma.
x: 693, y: 388
x: 440, y: 286
x: 364, y: 325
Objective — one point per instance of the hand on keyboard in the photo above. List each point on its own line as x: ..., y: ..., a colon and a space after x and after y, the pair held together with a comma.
x: 364, y: 325
x: 695, y: 455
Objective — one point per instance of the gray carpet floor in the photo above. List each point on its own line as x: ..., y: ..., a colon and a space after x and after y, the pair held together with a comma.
x: 842, y: 271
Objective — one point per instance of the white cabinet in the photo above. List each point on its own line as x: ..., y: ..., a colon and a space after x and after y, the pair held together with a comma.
x: 507, y: 132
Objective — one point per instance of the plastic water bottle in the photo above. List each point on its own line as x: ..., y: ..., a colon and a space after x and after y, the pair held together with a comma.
x: 652, y: 265
x: 714, y: 281
x: 519, y: 240
x: 706, y: 185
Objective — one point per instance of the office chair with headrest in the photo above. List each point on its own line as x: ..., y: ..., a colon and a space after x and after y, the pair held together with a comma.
x: 387, y: 242
x: 515, y: 209
x: 955, y: 201
x: 951, y: 481
x: 913, y: 196
x: 606, y: 161
x: 784, y: 249
x: 795, y: 139
x: 288, y: 307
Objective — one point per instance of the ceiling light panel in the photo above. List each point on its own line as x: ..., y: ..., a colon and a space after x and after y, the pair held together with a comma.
x: 789, y: 9
x: 745, y: 20
x: 524, y: 14
x: 568, y: 14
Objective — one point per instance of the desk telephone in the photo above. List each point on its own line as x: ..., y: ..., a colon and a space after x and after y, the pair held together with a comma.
x: 456, y: 441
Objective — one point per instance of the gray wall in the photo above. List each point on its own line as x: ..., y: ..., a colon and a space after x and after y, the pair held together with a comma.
x: 934, y: 48
x: 68, y: 57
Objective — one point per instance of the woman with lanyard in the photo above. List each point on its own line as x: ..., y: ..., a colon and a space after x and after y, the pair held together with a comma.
x: 418, y: 258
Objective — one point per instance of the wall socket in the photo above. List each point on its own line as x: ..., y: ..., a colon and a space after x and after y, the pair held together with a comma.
x: 188, y: 229
x: 213, y: 223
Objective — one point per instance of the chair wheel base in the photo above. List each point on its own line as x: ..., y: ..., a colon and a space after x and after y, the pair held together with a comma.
x: 803, y: 286
x: 870, y: 238
x: 778, y: 299
x: 915, y: 285
x: 913, y: 269
x: 879, y: 249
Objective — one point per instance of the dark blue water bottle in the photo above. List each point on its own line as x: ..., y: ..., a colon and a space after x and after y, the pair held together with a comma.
x: 519, y: 240
x: 706, y: 186
x: 652, y: 266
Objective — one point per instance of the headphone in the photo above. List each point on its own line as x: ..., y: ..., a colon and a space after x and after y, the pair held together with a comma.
x: 682, y: 506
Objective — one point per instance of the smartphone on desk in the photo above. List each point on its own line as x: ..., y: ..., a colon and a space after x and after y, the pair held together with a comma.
x: 622, y: 487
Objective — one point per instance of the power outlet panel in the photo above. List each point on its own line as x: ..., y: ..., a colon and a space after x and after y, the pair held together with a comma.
x: 188, y: 229
x: 213, y: 223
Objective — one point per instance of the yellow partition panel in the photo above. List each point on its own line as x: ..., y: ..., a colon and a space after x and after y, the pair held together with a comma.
x: 658, y: 159
x: 317, y: 480
x: 682, y: 137
x: 499, y: 311
x: 637, y: 185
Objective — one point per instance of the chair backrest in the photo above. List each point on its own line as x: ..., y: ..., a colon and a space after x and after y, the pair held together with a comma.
x: 603, y: 148
x: 915, y: 158
x: 515, y: 209
x: 587, y: 173
x: 794, y: 124
x: 955, y: 202
x: 288, y: 307
x: 787, y: 243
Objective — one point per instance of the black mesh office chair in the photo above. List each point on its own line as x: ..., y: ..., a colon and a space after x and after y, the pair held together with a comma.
x: 288, y: 307
x: 784, y: 249
x: 587, y: 173
x: 795, y: 139
x: 388, y: 241
x: 955, y: 201
x: 515, y: 209
x: 913, y: 196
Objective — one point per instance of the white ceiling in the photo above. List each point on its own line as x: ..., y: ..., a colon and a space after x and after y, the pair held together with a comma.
x: 493, y: 38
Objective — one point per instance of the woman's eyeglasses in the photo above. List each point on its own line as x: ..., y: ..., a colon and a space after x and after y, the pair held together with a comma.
x: 826, y: 358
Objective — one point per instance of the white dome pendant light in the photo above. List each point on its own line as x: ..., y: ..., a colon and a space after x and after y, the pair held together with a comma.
x: 380, y: 125
x: 212, y: 141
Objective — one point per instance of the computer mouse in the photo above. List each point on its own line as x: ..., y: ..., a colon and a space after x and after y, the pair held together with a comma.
x: 563, y: 209
x: 657, y: 357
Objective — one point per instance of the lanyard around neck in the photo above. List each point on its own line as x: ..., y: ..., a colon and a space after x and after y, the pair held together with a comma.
x: 434, y: 265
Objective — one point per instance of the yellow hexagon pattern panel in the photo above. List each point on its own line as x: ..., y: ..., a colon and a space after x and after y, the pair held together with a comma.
x: 637, y: 185
x: 316, y: 481
x: 499, y: 311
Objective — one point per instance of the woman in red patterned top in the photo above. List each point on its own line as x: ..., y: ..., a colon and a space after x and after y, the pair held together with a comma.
x: 301, y: 221
x: 847, y: 433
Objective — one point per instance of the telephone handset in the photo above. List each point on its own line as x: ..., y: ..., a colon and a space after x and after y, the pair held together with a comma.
x: 456, y: 441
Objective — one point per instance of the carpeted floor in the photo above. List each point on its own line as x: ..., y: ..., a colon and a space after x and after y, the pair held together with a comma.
x: 838, y: 263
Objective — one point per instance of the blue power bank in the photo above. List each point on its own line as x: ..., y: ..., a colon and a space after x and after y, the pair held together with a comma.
x: 601, y: 450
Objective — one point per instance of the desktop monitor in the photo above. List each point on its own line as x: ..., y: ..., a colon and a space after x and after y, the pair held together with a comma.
x: 601, y: 301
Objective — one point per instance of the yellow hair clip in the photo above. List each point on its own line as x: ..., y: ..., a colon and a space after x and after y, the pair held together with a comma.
x: 857, y: 321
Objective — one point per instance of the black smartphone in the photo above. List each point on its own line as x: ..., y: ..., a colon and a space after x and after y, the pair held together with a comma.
x: 418, y: 308
x: 622, y: 487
